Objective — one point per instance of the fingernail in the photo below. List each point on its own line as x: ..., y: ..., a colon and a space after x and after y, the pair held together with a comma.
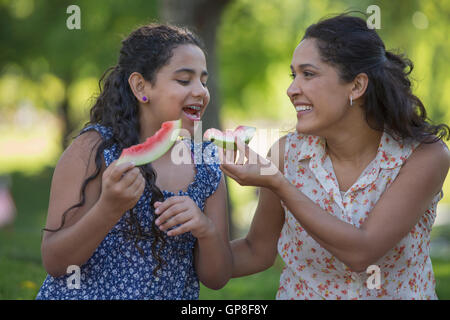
x: 157, y: 210
x: 157, y: 222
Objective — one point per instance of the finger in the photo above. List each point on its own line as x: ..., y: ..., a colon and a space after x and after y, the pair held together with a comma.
x: 230, y: 156
x: 246, y: 150
x: 169, y: 214
x: 241, y: 151
x: 229, y: 173
x: 183, y: 228
x: 167, y: 203
x: 130, y: 177
x: 157, y: 204
x: 176, y: 220
x: 138, y: 186
x: 118, y: 171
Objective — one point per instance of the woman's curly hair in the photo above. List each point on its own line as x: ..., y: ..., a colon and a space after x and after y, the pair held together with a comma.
x: 347, y: 43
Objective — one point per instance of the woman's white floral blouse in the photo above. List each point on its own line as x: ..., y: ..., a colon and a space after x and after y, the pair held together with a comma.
x: 311, y: 272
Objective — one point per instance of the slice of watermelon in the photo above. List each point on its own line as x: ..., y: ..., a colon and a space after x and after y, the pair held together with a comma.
x: 154, y: 147
x: 226, y: 140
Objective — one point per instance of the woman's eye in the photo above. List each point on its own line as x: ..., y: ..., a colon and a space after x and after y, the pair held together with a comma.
x: 308, y: 74
x: 292, y: 75
x: 183, y: 82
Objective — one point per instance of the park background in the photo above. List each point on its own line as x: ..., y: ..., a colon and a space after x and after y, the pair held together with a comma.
x: 49, y: 78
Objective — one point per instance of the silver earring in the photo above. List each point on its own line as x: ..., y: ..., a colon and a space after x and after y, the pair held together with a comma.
x: 351, y: 101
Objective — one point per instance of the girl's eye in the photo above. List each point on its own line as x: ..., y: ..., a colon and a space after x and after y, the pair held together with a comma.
x: 183, y: 82
x: 308, y: 74
x: 292, y: 75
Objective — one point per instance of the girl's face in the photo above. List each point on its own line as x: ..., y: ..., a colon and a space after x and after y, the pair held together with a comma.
x: 319, y: 97
x: 179, y: 89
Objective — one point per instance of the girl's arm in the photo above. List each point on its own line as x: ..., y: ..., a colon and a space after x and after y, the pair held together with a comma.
x: 213, y: 260
x: 84, y: 227
x: 394, y: 215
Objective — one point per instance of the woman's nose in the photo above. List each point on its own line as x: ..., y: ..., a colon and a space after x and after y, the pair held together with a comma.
x: 294, y: 89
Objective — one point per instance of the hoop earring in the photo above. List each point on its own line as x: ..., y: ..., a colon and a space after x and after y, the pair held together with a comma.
x: 351, y: 101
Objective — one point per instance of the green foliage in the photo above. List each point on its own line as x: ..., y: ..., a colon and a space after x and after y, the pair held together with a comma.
x: 257, y: 38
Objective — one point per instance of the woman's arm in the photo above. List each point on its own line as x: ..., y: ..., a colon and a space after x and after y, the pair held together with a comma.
x: 394, y: 215
x: 258, y: 250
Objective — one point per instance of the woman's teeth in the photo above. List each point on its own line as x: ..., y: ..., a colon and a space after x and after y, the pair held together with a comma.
x: 302, y: 108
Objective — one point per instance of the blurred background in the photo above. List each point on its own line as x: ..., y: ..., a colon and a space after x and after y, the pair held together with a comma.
x: 49, y: 79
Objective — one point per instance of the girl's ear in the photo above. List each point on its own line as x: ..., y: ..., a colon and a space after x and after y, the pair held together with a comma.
x: 359, y: 85
x: 137, y: 85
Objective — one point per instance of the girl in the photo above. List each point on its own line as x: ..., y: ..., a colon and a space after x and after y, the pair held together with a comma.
x: 359, y: 181
x: 110, y: 232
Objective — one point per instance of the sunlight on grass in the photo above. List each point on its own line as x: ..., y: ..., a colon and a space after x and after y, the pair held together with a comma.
x: 29, y: 148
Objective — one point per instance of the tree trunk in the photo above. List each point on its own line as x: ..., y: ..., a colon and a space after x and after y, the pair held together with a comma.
x: 203, y: 18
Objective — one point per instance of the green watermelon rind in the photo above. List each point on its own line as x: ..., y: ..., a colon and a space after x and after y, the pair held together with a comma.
x: 228, y: 142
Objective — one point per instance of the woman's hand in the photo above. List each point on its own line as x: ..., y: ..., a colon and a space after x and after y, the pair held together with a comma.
x: 122, y: 186
x: 181, y: 211
x: 255, y: 171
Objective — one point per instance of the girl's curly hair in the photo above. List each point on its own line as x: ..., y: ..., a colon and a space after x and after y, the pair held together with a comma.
x: 146, y: 50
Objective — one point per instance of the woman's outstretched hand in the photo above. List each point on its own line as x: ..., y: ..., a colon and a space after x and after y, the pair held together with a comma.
x: 255, y: 171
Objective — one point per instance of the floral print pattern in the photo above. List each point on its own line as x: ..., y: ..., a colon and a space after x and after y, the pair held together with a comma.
x: 310, y: 271
x: 117, y: 270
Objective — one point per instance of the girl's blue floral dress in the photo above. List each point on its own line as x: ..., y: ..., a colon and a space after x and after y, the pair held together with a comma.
x: 117, y: 270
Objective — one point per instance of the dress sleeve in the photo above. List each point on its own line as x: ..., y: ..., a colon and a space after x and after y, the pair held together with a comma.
x: 210, y: 173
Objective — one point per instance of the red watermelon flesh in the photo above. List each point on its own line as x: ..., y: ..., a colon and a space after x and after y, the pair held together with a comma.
x: 226, y: 139
x: 154, y: 147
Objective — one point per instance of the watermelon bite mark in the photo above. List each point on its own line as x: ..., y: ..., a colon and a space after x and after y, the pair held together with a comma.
x: 154, y: 147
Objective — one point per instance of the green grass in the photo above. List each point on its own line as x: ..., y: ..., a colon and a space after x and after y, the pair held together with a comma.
x: 21, y: 271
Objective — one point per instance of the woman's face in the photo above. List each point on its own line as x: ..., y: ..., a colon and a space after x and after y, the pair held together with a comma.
x: 320, y: 98
x: 179, y: 90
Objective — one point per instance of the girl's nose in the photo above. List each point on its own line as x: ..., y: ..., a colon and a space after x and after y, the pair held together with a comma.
x: 199, y: 90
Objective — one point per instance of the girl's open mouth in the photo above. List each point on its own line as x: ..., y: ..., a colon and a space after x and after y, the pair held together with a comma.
x: 192, y: 112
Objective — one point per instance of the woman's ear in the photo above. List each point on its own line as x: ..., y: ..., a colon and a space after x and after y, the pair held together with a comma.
x: 359, y: 86
x: 137, y: 85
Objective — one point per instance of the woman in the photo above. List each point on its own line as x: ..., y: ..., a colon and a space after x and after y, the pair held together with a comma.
x: 359, y: 181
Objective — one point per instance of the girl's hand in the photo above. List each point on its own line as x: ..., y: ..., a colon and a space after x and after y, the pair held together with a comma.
x: 122, y: 186
x: 255, y: 171
x: 182, y: 211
